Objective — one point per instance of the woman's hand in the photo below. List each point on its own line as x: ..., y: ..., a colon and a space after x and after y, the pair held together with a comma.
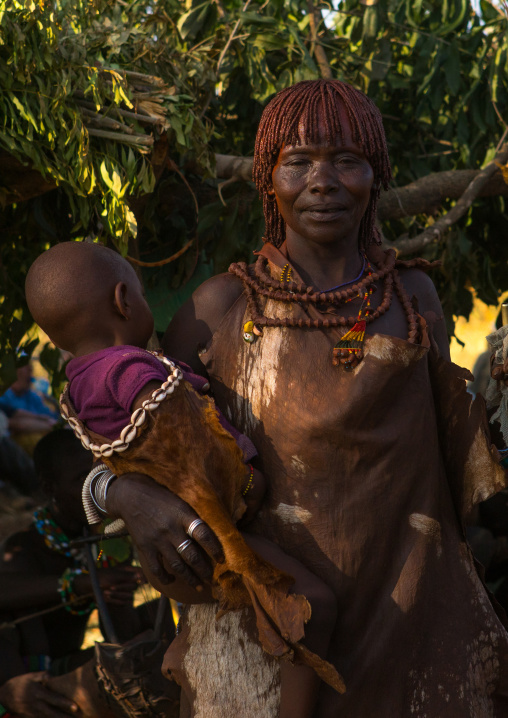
x: 118, y: 584
x: 27, y: 696
x: 499, y: 372
x: 158, y: 522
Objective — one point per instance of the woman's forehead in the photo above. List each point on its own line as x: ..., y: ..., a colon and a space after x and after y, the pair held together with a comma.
x: 322, y: 134
x: 318, y: 128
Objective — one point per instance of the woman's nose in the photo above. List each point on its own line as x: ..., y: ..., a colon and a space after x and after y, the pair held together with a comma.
x: 323, y: 178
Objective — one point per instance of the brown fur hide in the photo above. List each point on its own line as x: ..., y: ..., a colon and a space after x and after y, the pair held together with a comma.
x: 185, y: 448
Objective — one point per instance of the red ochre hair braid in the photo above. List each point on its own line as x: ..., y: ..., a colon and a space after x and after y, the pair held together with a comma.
x: 302, y: 106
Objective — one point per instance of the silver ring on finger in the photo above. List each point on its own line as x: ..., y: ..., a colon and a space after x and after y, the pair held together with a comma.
x: 185, y: 544
x: 193, y: 526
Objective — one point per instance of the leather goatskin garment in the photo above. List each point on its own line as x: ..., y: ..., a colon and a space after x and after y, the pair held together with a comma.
x: 371, y: 474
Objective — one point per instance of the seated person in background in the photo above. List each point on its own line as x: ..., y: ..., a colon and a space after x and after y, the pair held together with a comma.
x: 186, y: 445
x: 16, y: 466
x: 29, y: 417
x: 40, y: 572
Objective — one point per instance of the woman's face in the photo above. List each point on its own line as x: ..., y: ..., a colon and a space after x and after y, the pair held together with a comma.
x: 323, y: 190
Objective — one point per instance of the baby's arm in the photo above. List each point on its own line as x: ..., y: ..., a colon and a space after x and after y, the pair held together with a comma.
x: 145, y: 393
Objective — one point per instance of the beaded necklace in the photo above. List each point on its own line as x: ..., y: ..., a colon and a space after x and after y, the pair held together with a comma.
x: 57, y: 540
x: 54, y: 537
x: 348, y: 351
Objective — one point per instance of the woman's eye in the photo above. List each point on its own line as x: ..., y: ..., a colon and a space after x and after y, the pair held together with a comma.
x: 297, y: 162
x: 347, y: 160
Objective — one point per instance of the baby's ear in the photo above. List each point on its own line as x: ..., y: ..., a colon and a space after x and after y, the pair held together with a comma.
x: 120, y: 303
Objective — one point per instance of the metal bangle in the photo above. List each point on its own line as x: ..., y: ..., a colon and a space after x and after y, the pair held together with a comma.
x: 100, y: 489
x: 93, y: 486
x: 87, y: 496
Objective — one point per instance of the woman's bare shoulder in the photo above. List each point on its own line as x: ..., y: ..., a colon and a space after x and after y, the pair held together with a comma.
x: 197, y: 320
x: 418, y: 284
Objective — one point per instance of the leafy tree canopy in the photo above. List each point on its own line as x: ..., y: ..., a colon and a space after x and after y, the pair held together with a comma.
x: 117, y: 121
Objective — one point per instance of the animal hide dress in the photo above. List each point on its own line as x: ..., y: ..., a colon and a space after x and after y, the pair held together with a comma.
x: 371, y: 474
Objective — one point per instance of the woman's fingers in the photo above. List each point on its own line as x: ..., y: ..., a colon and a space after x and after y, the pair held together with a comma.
x: 54, y: 705
x: 208, y: 541
x: 499, y: 372
x: 29, y: 697
x: 194, y: 558
x: 158, y: 522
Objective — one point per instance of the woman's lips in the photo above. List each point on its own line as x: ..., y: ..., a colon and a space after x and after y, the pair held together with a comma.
x: 324, y: 214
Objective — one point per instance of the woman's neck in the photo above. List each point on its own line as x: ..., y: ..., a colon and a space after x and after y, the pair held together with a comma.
x: 325, y: 266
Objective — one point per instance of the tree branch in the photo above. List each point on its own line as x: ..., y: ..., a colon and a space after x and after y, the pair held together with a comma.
x: 315, y: 19
x: 436, y: 231
x: 426, y: 194
x: 230, y: 39
x: 141, y: 141
x: 145, y: 119
x: 231, y: 167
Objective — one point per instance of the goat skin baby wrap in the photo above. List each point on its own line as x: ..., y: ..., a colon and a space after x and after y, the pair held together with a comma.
x: 184, y: 447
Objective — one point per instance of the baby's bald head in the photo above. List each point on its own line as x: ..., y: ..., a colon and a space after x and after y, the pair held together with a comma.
x: 70, y: 289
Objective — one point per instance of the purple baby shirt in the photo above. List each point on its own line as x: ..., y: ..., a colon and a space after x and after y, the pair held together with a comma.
x: 104, y: 384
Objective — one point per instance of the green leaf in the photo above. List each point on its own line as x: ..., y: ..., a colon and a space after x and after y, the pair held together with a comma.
x: 190, y: 23
x: 105, y: 175
x: 452, y: 69
x: 25, y: 112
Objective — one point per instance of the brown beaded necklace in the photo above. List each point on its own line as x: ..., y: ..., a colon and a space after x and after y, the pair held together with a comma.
x: 257, y: 280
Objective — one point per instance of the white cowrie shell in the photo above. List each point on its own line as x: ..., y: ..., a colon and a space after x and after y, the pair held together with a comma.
x: 121, y: 447
x: 166, y: 384
x: 130, y: 436
x: 135, y: 415
x: 170, y: 389
x: 152, y: 406
x: 125, y: 431
x: 96, y: 452
x: 141, y: 418
x: 64, y: 410
x: 85, y: 440
x: 79, y: 431
x: 73, y: 423
x: 106, y: 450
x: 159, y: 395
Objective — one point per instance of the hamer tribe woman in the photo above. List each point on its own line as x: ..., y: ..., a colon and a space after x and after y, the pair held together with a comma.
x: 333, y: 358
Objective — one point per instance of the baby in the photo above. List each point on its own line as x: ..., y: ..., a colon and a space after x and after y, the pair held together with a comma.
x: 142, y: 414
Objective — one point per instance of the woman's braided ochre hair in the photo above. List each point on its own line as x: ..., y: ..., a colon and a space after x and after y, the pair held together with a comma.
x: 297, y: 116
